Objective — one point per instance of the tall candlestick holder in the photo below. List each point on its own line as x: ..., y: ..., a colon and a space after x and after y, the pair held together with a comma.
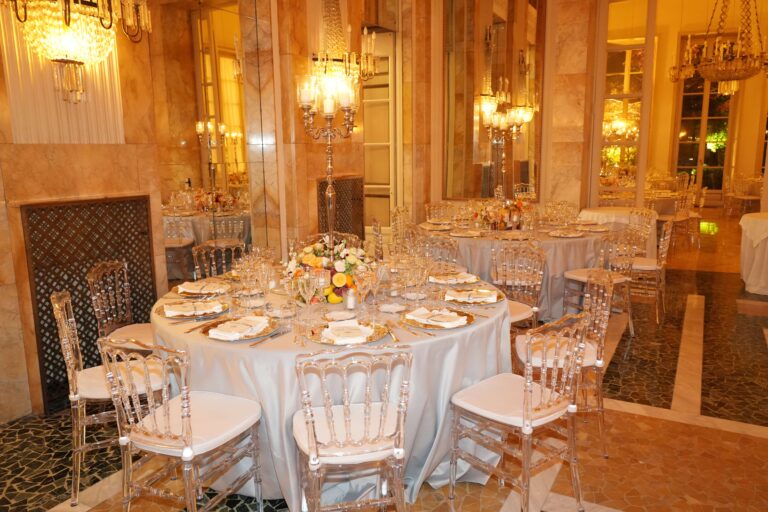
x: 329, y: 133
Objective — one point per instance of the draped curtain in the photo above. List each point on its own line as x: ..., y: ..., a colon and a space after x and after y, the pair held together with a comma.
x: 39, y: 115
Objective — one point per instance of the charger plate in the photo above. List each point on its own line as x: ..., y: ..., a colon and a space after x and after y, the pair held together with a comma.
x: 420, y: 325
x: 379, y: 332
x: 269, y: 329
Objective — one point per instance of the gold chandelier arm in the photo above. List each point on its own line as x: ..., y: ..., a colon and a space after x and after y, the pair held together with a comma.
x: 135, y: 36
x: 111, y: 15
x: 16, y: 11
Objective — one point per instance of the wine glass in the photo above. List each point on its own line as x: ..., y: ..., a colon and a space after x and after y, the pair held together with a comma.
x: 363, y: 278
x: 307, y: 286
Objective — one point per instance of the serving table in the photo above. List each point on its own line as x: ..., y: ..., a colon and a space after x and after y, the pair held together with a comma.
x: 443, y: 364
x: 754, y: 252
x: 562, y: 254
x: 197, y: 226
x: 620, y: 215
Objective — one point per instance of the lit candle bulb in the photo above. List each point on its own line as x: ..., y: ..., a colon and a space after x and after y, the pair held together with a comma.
x: 328, y: 105
x: 344, y: 98
x: 199, y: 127
x: 210, y: 127
x: 305, y: 94
x: 222, y: 128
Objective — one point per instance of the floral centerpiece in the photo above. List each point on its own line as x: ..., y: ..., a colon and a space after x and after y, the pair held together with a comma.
x: 500, y: 215
x: 341, y: 261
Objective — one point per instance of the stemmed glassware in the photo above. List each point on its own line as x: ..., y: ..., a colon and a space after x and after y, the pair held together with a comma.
x: 307, y: 286
x: 363, y: 277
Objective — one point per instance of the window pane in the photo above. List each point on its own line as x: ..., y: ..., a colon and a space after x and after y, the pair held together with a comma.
x: 377, y: 165
x: 619, y: 156
x: 714, y: 154
x: 636, y: 82
x: 616, y: 60
x: 719, y: 105
x: 694, y: 84
x: 614, y: 84
x: 690, y: 130
x: 376, y: 208
x: 692, y: 104
x: 688, y: 154
x: 636, y: 60
x: 712, y: 178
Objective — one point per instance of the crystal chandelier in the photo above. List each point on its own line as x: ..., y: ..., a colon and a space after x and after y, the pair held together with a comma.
x: 71, y: 34
x: 724, y: 61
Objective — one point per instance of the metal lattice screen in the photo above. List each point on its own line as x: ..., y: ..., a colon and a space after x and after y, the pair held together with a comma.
x: 349, y: 205
x: 63, y: 242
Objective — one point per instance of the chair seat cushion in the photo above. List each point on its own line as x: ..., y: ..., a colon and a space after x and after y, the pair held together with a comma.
x: 500, y: 398
x: 519, y: 311
x: 92, y: 382
x: 666, y: 217
x: 366, y: 452
x: 644, y: 264
x: 581, y: 274
x: 589, y: 356
x: 215, y: 419
x: 139, y: 332
x: 177, y: 243
x: 694, y: 215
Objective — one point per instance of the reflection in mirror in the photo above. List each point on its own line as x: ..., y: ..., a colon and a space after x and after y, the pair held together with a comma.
x: 218, y: 192
x: 494, y: 58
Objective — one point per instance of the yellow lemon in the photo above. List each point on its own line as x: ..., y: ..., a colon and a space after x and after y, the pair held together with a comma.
x: 334, y: 299
x: 328, y: 290
x: 339, y: 280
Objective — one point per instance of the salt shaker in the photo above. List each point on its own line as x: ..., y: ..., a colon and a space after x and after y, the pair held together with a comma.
x: 350, y: 299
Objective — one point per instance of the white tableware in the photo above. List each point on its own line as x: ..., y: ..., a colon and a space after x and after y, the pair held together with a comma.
x: 565, y: 233
x: 337, y: 316
x: 465, y: 234
x: 392, y: 308
x: 192, y: 309
x: 240, y: 329
x: 438, y: 319
x: 202, y: 288
x: 473, y: 296
x: 454, y: 278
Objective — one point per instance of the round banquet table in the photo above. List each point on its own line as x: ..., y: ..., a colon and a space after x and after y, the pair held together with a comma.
x: 754, y: 252
x: 442, y: 365
x: 619, y: 215
x: 562, y: 254
x: 198, y: 226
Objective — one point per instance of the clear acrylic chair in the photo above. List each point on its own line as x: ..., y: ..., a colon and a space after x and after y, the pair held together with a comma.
x: 524, y: 192
x: 508, y: 407
x: 641, y: 221
x: 354, y: 404
x: 401, y: 219
x: 378, y: 241
x: 597, y: 299
x: 87, y: 387
x: 229, y: 229
x: 617, y: 255
x: 649, y: 274
x: 203, y: 433
x: 517, y: 268
x: 110, y: 290
x: 215, y: 257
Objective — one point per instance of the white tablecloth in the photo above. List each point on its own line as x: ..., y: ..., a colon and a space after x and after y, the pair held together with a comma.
x: 754, y: 252
x: 442, y: 365
x: 562, y: 254
x: 198, y: 226
x: 619, y: 215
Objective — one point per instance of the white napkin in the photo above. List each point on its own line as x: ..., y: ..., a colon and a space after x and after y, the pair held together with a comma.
x: 391, y: 308
x: 439, y: 317
x: 479, y: 295
x: 196, y: 308
x: 245, y: 327
x: 347, y: 332
x: 340, y: 315
x: 457, y: 278
x: 203, y: 287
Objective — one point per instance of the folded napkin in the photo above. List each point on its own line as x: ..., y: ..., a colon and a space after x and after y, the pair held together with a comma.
x: 438, y: 317
x: 346, y: 332
x: 479, y: 295
x: 465, y: 234
x: 455, y: 278
x: 391, y: 308
x: 245, y: 327
x: 196, y: 308
x: 203, y: 287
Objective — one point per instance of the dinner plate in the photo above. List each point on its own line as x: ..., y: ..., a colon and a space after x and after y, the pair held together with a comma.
x: 516, y: 235
x: 435, y: 227
x: 464, y: 234
x: 269, y: 329
x: 160, y: 311
x: 226, y: 289
x: 420, y: 325
x: 499, y: 298
x: 336, y: 316
x: 379, y: 332
x: 563, y: 233
x: 443, y: 279
x: 585, y: 222
x: 439, y: 221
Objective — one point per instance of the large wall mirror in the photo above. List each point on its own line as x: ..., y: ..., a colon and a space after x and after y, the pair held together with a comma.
x: 216, y: 190
x: 492, y: 50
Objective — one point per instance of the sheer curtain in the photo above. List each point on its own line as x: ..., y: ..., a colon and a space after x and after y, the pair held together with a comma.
x: 39, y: 115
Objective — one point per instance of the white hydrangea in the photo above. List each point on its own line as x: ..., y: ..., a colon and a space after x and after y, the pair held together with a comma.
x: 340, y: 266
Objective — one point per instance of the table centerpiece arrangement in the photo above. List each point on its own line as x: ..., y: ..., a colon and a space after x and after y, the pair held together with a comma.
x: 339, y: 261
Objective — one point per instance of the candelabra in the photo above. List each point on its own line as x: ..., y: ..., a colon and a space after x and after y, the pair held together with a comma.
x: 503, y: 126
x: 329, y: 133
x: 210, y: 139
